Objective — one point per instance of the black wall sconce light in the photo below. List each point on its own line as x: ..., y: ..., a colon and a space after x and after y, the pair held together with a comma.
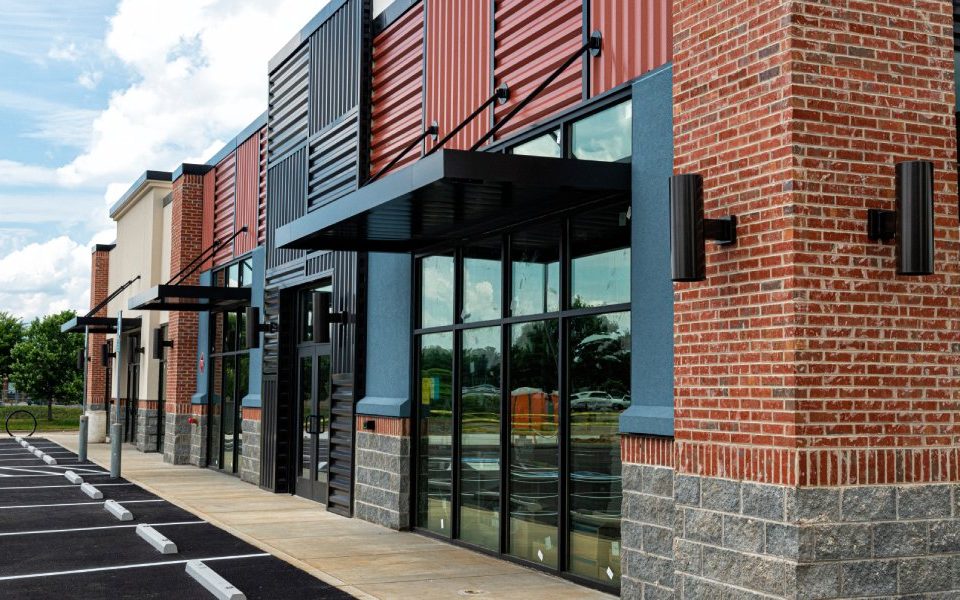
x: 323, y: 317
x: 689, y: 230
x: 253, y: 326
x: 81, y: 359
x: 159, y: 343
x: 911, y: 224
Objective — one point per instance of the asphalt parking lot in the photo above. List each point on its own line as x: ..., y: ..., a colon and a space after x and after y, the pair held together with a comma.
x: 56, y: 541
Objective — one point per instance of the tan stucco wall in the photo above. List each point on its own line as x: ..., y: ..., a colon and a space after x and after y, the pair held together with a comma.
x: 142, y: 231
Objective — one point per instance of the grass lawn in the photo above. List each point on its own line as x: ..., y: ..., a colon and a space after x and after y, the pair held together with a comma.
x: 65, y: 418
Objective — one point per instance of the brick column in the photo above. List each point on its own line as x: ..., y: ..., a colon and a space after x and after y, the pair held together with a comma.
x: 816, y: 391
x: 186, y: 224
x: 99, y: 290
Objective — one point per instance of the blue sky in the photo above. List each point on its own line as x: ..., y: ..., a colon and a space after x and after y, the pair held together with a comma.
x: 94, y: 92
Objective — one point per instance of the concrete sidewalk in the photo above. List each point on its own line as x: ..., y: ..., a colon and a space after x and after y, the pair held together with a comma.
x: 362, y: 559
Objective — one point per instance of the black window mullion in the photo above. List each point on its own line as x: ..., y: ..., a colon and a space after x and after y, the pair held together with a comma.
x: 457, y: 409
x: 564, y: 435
x: 506, y: 416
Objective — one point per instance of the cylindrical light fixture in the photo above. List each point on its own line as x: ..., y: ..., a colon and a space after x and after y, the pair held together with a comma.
x: 689, y: 230
x: 911, y: 225
x: 321, y: 317
x: 687, y: 254
x: 915, y: 243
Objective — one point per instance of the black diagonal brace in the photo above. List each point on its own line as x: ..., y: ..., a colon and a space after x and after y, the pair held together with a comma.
x: 502, y: 94
x: 593, y: 44
x: 194, y: 264
x: 107, y: 300
x: 432, y: 130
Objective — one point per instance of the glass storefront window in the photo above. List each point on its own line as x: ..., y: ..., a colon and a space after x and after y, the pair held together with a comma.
x: 233, y: 275
x: 480, y: 438
x: 435, y: 495
x: 246, y: 273
x: 436, y: 291
x: 605, y: 136
x: 534, y: 443
x: 600, y: 250
x: 481, y: 282
x: 599, y: 392
x: 536, y: 271
x: 548, y: 145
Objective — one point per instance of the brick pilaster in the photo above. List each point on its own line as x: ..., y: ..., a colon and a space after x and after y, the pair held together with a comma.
x: 99, y: 290
x: 817, y: 392
x: 186, y: 224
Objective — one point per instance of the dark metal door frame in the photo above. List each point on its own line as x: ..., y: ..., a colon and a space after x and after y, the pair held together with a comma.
x: 133, y: 391
x: 313, y: 426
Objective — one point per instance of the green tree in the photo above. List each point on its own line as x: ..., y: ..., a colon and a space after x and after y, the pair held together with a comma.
x: 11, y: 332
x: 45, y: 362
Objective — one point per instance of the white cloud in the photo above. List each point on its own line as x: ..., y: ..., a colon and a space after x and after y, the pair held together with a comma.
x: 65, y: 52
x: 90, y: 79
x: 199, y: 72
x: 46, y: 277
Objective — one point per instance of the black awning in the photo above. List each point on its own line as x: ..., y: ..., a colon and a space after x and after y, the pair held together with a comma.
x: 98, y: 324
x: 192, y: 298
x: 454, y: 194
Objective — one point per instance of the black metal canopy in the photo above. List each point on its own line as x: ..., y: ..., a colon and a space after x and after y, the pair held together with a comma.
x: 454, y: 194
x: 98, y: 324
x: 192, y: 298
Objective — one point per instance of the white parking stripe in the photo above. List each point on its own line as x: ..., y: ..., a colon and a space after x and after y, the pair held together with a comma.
x: 136, y: 566
x: 47, y: 487
x: 74, y: 504
x: 85, y: 473
x: 42, y: 531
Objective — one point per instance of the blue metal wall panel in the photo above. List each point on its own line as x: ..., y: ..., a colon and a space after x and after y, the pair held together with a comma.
x: 651, y: 286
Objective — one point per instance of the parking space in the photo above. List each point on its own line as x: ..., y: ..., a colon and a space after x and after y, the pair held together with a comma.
x: 59, y: 542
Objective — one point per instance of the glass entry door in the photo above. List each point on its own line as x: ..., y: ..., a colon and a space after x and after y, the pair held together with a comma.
x: 313, y: 384
x: 133, y: 390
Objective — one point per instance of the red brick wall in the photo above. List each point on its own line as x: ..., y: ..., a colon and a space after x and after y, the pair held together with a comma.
x: 395, y: 426
x: 804, y: 359
x: 186, y: 240
x: 99, y: 290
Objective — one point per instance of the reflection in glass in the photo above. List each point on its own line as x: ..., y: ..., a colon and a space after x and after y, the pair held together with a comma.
x: 229, y: 410
x: 436, y: 291
x: 246, y: 273
x: 547, y: 145
x: 480, y: 438
x: 216, y: 409
x: 536, y: 270
x: 323, y: 416
x: 435, y: 492
x: 306, y: 401
x: 243, y: 388
x: 230, y: 332
x: 233, y: 275
x: 605, y: 136
x: 599, y: 392
x: 482, y: 270
x: 534, y: 450
x: 600, y: 248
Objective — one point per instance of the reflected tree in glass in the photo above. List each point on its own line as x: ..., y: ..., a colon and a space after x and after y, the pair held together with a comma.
x: 534, y: 448
x: 480, y: 438
x: 435, y: 492
x: 599, y: 392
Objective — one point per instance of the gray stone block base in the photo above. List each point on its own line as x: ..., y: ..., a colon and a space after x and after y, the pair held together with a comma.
x: 382, y: 490
x: 199, y: 450
x: 177, y: 439
x: 250, y: 451
x: 146, y: 430
x: 746, y: 540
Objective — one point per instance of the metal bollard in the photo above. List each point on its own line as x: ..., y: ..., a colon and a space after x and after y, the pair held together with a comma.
x: 116, y: 442
x: 82, y: 444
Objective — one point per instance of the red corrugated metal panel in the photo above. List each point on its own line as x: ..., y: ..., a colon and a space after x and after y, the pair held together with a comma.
x: 224, y: 206
x: 248, y: 193
x: 396, y: 113
x: 637, y: 37
x: 206, y: 233
x: 533, y: 38
x: 458, y: 67
x: 262, y: 187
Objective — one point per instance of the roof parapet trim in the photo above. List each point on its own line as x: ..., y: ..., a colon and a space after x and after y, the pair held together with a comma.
x: 147, y: 177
